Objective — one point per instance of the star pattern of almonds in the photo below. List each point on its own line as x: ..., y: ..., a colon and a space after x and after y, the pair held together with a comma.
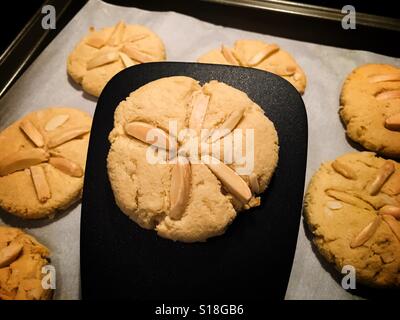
x: 31, y: 159
x: 388, y: 213
x: 266, y: 52
x: 118, y: 48
x: 181, y: 171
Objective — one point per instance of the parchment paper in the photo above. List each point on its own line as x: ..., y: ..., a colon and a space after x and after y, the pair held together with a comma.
x: 45, y: 83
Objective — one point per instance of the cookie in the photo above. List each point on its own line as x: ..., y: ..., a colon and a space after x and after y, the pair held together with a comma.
x: 260, y: 55
x: 352, y: 207
x: 21, y: 262
x: 103, y: 53
x: 42, y: 162
x: 370, y: 108
x: 188, y: 198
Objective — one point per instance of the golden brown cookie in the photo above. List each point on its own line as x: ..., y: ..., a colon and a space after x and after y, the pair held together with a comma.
x: 21, y: 262
x: 190, y: 200
x: 42, y: 161
x: 352, y: 207
x: 103, y: 53
x: 260, y: 55
x: 370, y: 108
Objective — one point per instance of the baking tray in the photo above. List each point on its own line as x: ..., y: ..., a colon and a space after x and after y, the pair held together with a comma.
x: 251, y: 261
x: 326, y: 68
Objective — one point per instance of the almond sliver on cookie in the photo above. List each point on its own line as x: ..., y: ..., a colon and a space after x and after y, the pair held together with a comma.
x: 128, y: 62
x: 102, y: 59
x: 344, y: 170
x: 56, y: 121
x: 254, y: 186
x: 393, y: 122
x: 67, y: 135
x: 388, y: 95
x: 227, y: 126
x: 349, y: 199
x: 136, y: 37
x: 96, y: 39
x: 229, y: 179
x: 33, y: 134
x: 263, y: 54
x: 382, y: 176
x: 199, y: 104
x: 180, y: 188
x: 142, y: 130
x: 366, y: 233
x: 21, y: 160
x: 391, y: 211
x: 69, y: 167
x: 117, y: 34
x: 228, y: 55
x: 9, y: 254
x: 393, y: 224
x: 384, y: 77
x: 136, y: 54
x: 282, y: 70
x: 40, y: 182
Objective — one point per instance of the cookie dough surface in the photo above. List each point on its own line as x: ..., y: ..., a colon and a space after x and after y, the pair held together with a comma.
x: 279, y: 62
x: 145, y: 43
x: 21, y: 275
x: 142, y: 190
x: 17, y: 191
x: 337, y: 209
x: 364, y: 114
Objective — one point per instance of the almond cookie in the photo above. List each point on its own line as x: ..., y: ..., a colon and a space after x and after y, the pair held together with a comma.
x: 42, y: 161
x: 260, y: 55
x: 103, y: 53
x: 188, y: 197
x: 21, y: 262
x: 352, y: 207
x: 370, y: 108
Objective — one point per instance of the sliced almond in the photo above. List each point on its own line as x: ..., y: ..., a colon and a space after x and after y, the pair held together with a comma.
x: 180, y: 188
x: 393, y: 122
x: 142, y: 130
x: 199, y: 105
x: 69, y: 167
x: 254, y: 186
x: 382, y: 176
x: 263, y: 54
x: 229, y: 179
x: 56, y: 121
x: 393, y: 224
x: 117, y: 34
x: 136, y: 54
x: 282, y: 70
x: 384, y: 77
x: 22, y: 159
x: 32, y: 133
x: 344, y: 170
x: 67, y: 135
x: 136, y: 37
x: 334, y: 205
x: 128, y: 62
x: 349, y: 199
x: 388, y: 95
x: 96, y: 39
x: 228, y: 55
x: 366, y: 233
x: 102, y: 59
x: 9, y: 254
x: 227, y: 126
x: 391, y: 211
x: 40, y: 182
